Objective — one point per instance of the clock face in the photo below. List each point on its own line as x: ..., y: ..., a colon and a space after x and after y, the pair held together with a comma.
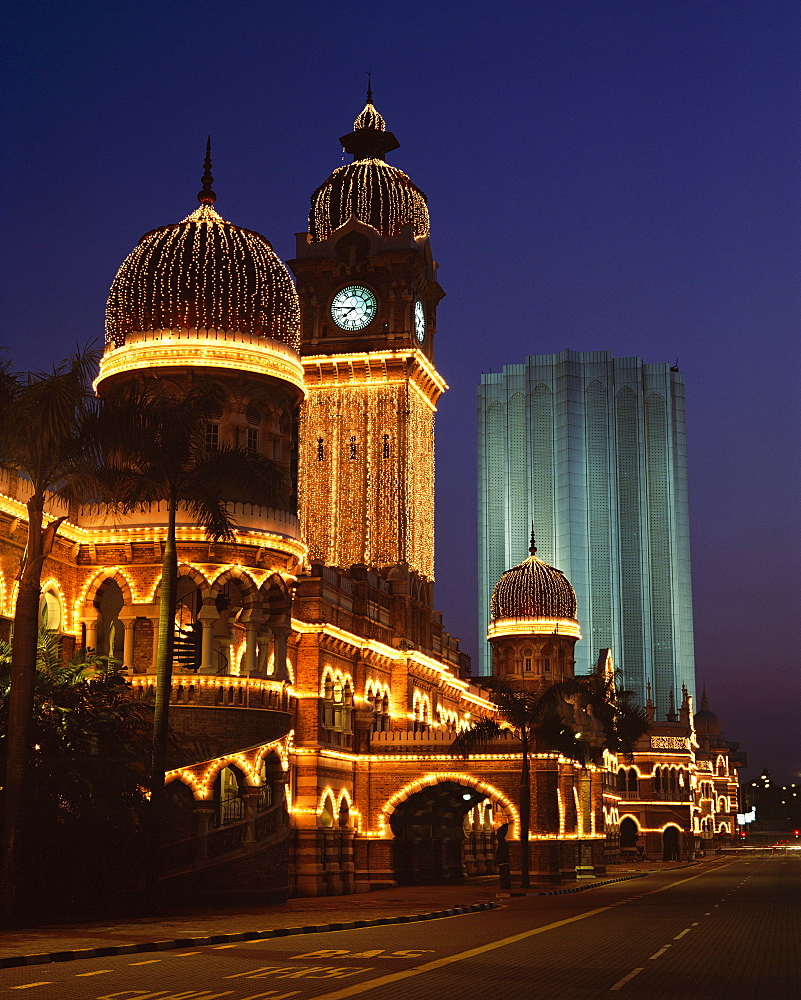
x: 354, y: 308
x: 419, y: 321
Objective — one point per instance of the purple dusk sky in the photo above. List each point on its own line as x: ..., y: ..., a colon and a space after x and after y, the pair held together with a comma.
x: 617, y: 175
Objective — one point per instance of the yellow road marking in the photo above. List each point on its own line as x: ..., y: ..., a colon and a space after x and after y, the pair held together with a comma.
x: 438, y: 963
x: 219, y: 947
x: 27, y: 986
x: 150, y: 961
x: 625, y: 979
x: 99, y: 972
x: 681, y: 934
x: 184, y: 954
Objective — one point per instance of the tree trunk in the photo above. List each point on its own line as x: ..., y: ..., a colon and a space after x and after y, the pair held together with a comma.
x: 164, y: 657
x: 525, y: 814
x: 20, y: 710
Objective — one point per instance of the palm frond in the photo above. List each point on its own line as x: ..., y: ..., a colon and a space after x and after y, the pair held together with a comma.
x: 480, y: 734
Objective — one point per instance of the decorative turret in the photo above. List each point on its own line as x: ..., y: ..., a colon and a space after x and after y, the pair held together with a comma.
x: 369, y: 190
x: 533, y: 627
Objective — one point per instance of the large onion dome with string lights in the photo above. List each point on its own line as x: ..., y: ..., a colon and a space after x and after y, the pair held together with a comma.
x: 369, y: 189
x: 198, y: 287
x: 533, y: 598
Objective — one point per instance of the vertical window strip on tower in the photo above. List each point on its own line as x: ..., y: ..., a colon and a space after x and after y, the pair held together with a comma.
x: 659, y: 547
x: 518, y: 519
x: 542, y: 502
x: 598, y: 516
x: 496, y: 495
x: 631, y: 656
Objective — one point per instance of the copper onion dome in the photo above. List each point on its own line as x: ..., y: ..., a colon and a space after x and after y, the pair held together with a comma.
x: 533, y: 589
x: 203, y: 273
x: 376, y: 193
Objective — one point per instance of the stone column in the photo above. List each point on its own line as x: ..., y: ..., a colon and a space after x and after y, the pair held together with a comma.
x: 204, y: 810
x: 264, y: 639
x: 207, y: 617
x: 128, y: 623
x: 281, y: 635
x: 251, y: 618
x: 91, y: 634
x: 250, y: 800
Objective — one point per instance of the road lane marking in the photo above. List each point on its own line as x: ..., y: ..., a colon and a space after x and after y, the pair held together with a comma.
x: 219, y: 947
x: 29, y: 986
x: 661, y: 951
x: 625, y: 979
x: 681, y: 934
x: 185, y: 954
x: 695, y: 923
x: 439, y: 963
x: 98, y: 972
x: 150, y: 961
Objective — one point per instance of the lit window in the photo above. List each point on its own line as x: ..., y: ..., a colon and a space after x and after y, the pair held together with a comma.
x: 353, y: 446
x: 386, y: 446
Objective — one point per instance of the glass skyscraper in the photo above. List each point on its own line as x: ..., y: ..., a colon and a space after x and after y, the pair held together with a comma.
x: 592, y: 450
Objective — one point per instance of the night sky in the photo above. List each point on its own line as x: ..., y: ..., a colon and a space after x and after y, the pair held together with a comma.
x: 614, y: 176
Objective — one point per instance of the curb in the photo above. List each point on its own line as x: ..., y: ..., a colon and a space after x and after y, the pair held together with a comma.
x: 611, y: 881
x: 14, y: 961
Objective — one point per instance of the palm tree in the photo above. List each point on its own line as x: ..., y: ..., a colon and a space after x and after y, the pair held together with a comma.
x: 622, y: 720
x: 539, y: 720
x: 90, y: 736
x: 156, y: 451
x: 43, y: 416
x: 534, y: 718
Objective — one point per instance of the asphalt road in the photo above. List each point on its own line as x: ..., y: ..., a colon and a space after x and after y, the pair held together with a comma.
x: 726, y: 931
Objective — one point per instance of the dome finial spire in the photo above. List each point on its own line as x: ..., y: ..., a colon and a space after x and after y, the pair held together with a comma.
x: 206, y: 196
x: 532, y: 545
x: 369, y: 86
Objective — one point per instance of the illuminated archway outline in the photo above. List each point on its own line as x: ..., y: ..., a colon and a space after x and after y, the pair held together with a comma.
x: 495, y: 794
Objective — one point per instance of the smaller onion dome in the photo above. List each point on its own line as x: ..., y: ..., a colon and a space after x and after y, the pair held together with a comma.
x: 207, y: 274
x: 706, y: 722
x: 533, y: 589
x: 369, y: 189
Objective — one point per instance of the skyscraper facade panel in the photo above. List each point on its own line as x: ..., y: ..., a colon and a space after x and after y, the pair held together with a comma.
x: 592, y: 450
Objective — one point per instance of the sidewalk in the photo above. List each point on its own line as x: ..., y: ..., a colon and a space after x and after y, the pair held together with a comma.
x: 60, y: 943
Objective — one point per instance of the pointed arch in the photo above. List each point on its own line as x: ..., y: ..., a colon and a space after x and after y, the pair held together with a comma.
x: 88, y: 596
x: 249, y: 589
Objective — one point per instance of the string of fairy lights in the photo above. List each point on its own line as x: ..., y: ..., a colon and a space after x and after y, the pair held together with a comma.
x: 533, y: 589
x: 203, y: 273
x: 368, y: 117
x: 366, y: 476
x: 376, y: 193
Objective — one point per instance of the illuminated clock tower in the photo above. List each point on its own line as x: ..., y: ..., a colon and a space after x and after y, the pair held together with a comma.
x: 368, y: 295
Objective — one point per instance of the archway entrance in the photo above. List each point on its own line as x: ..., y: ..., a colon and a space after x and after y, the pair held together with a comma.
x: 431, y: 829
x: 670, y: 844
x: 628, y: 835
